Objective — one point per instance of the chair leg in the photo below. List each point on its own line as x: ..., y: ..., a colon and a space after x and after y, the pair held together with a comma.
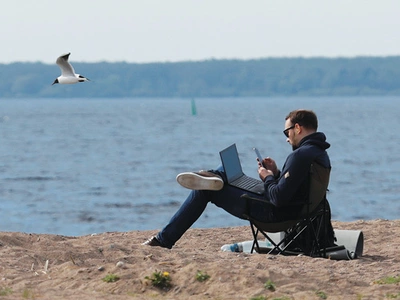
x: 255, y: 241
x: 277, y: 249
x: 312, y: 226
x: 256, y: 245
x: 320, y: 228
x: 325, y: 224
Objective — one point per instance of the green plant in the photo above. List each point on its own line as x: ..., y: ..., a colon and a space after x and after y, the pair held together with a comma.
x: 269, y: 285
x: 321, y: 294
x: 201, y: 276
x: 258, y: 298
x: 388, y: 280
x: 28, y: 294
x: 160, y: 280
x: 5, y: 291
x: 393, y: 296
x: 111, y: 278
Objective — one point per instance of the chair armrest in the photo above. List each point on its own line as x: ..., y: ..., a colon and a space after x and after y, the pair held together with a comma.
x: 248, y: 197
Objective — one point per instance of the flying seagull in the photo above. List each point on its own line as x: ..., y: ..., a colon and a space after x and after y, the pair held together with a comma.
x: 68, y: 75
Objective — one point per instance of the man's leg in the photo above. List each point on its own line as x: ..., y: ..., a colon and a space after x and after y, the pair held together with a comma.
x: 183, y: 219
x: 227, y: 198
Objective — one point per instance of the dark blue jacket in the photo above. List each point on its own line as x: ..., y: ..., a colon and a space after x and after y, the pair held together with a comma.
x: 290, y: 189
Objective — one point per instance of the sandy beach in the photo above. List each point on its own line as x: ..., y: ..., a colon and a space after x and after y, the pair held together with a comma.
x: 43, y: 266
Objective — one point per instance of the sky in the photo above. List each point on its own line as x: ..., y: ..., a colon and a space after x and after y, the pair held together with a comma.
x: 142, y: 31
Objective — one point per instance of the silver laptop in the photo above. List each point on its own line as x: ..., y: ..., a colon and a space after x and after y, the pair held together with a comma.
x: 234, y: 173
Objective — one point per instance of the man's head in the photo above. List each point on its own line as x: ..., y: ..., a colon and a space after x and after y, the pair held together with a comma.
x: 299, y: 123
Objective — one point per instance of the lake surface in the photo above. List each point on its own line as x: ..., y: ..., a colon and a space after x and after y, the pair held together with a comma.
x: 83, y: 166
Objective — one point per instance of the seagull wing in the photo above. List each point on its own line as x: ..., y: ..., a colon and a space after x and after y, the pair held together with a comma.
x: 65, y: 66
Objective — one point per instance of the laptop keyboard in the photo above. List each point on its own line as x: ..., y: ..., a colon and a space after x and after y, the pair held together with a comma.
x: 246, y: 182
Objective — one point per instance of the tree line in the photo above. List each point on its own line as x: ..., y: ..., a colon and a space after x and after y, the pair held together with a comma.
x: 209, y: 78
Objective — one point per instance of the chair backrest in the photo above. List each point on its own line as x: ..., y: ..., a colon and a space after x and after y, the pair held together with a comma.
x: 319, y: 180
x: 312, y: 232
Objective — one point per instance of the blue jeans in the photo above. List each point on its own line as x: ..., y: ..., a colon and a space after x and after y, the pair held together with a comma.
x: 227, y: 198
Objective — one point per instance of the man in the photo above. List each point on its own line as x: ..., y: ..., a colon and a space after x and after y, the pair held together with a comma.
x: 286, y: 190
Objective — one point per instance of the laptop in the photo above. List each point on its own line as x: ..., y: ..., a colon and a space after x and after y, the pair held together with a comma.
x: 234, y: 173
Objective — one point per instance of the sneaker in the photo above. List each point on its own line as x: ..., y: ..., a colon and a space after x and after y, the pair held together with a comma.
x: 201, y: 180
x: 154, y: 242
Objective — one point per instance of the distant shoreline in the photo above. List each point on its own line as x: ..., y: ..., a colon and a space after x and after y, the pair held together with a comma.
x: 265, y: 77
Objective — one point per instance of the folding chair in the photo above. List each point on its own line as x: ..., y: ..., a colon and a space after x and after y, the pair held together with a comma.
x: 312, y: 223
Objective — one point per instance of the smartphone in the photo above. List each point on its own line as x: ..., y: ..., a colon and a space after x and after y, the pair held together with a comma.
x: 260, y: 158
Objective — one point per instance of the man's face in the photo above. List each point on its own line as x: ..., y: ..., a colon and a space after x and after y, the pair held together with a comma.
x: 290, y: 133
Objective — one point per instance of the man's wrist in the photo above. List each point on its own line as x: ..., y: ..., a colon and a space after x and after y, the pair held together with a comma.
x: 269, y: 173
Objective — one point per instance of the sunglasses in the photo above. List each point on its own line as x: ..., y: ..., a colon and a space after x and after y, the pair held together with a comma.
x: 286, y: 131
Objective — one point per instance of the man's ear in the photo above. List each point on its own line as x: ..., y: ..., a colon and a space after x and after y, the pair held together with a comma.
x: 298, y: 128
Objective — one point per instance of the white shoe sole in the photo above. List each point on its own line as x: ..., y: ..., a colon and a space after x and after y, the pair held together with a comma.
x: 194, y: 181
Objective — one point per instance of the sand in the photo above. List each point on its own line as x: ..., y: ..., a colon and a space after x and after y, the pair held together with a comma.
x: 44, y: 266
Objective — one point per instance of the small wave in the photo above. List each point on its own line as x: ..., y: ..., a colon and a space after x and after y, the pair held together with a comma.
x: 86, y: 217
x: 360, y: 217
x: 118, y: 205
x: 97, y: 191
x: 33, y: 178
x: 142, y: 206
x: 152, y: 205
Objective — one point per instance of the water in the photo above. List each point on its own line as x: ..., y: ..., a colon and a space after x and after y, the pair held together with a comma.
x: 82, y: 166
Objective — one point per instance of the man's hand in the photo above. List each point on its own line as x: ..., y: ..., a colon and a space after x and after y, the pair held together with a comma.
x: 270, y: 164
x: 263, y: 172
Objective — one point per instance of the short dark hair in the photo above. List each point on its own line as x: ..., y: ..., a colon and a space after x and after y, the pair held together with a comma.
x: 305, y: 118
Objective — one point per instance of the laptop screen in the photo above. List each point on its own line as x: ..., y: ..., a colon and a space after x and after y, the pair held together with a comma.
x: 231, y: 163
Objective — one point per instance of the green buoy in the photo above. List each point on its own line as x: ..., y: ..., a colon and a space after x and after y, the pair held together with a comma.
x: 194, y: 110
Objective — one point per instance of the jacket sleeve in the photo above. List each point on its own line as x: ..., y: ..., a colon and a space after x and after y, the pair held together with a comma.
x: 282, y: 191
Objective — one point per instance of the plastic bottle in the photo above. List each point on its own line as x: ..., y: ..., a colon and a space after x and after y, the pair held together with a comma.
x: 244, y: 246
x: 238, y: 247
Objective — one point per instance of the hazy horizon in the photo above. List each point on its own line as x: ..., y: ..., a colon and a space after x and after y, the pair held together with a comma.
x: 182, y: 30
